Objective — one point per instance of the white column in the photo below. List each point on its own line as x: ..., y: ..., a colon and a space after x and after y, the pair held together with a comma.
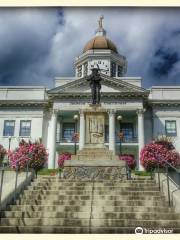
x: 112, y: 131
x: 116, y: 70
x: 140, y: 113
x: 81, y: 130
x: 76, y: 71
x: 82, y: 70
x: 52, y: 143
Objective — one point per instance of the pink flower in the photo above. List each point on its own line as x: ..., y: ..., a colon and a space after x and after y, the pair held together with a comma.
x: 3, y: 152
x: 158, y: 152
x: 129, y: 158
x: 63, y: 157
x: 34, y: 154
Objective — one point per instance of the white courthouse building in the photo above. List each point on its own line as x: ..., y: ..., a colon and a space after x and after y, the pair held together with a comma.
x: 37, y: 112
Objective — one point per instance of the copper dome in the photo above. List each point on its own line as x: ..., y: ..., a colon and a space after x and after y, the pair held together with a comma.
x: 100, y: 42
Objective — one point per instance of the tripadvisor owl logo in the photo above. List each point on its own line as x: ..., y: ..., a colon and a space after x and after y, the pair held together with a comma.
x: 139, y: 230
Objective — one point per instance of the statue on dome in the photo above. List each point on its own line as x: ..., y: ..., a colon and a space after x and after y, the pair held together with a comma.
x: 95, y: 85
x: 100, y: 21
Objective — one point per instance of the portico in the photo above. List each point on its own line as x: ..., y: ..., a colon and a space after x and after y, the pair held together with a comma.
x: 62, y: 127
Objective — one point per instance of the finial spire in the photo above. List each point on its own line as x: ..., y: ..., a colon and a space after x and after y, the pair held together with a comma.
x: 100, y: 31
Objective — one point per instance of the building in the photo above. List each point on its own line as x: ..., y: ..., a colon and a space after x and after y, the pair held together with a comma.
x: 141, y: 114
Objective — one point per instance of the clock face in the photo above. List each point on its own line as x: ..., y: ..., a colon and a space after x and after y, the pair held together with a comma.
x: 103, y: 65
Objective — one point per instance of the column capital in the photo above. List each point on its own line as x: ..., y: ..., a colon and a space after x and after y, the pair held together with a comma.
x: 81, y: 111
x: 140, y: 111
x: 53, y: 111
x: 111, y: 111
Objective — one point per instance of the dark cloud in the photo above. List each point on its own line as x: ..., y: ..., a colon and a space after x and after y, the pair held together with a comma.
x: 37, y: 44
x: 163, y: 63
x: 26, y: 38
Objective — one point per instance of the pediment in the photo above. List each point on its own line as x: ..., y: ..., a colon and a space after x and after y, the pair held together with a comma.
x: 108, y: 85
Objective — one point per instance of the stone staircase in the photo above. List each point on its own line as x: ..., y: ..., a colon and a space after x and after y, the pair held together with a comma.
x: 53, y: 205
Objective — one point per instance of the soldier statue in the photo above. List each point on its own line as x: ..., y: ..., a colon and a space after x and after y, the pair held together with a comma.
x: 95, y: 85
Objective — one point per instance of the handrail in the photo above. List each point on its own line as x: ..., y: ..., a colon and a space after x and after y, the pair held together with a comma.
x: 27, y: 170
x: 166, y: 165
x: 128, y: 172
x: 172, y: 166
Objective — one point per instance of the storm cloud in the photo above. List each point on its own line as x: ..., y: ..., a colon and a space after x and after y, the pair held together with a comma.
x: 38, y: 44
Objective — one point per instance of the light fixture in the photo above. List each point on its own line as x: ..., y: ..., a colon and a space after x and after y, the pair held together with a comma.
x: 119, y: 117
x: 76, y: 117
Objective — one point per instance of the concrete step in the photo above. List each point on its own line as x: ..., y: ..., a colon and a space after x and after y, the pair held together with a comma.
x: 29, y: 193
x: 59, y: 182
x: 95, y: 202
x: 90, y: 184
x: 96, y: 188
x: 56, y: 179
x: 104, y: 215
x: 95, y: 150
x: 89, y: 197
x: 84, y: 222
x: 57, y: 208
x: 70, y: 230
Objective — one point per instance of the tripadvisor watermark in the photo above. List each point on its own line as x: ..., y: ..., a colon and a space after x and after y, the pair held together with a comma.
x: 140, y: 230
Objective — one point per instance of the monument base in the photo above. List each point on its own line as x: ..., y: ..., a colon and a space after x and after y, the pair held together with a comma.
x: 94, y: 164
x: 90, y: 173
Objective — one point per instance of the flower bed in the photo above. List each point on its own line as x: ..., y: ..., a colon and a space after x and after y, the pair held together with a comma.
x: 158, y: 152
x: 34, y: 154
x: 63, y: 157
x: 129, y: 158
x: 2, y: 153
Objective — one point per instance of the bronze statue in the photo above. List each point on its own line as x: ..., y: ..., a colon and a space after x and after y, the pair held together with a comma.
x: 100, y: 22
x: 95, y: 85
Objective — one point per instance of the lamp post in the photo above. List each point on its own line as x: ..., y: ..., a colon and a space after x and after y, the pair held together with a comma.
x: 9, y: 139
x: 75, y: 132
x: 9, y: 146
x: 121, y: 135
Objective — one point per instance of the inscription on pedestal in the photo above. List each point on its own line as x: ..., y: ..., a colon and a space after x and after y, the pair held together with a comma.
x: 94, y: 173
x: 95, y: 133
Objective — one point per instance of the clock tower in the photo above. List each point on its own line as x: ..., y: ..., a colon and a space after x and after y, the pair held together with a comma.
x: 103, y: 52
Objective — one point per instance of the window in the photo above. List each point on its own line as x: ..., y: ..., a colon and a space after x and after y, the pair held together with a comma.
x: 113, y: 69
x: 127, y: 129
x: 120, y: 71
x: 68, y: 131
x: 9, y: 128
x: 106, y: 133
x: 170, y: 128
x: 85, y: 69
x: 25, y: 128
x: 79, y: 71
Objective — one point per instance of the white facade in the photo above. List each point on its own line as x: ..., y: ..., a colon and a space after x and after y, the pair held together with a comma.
x: 48, y: 114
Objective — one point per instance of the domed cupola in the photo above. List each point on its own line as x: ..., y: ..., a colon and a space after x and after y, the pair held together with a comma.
x: 100, y: 41
x: 100, y: 51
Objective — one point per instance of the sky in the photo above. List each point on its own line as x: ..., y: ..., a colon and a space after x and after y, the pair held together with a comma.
x: 39, y: 44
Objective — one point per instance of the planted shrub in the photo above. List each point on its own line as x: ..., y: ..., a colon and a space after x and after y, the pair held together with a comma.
x: 158, y: 152
x: 34, y: 154
x: 129, y: 158
x: 2, y: 153
x: 63, y: 157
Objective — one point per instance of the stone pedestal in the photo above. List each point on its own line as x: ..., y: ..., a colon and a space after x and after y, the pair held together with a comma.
x: 94, y: 164
x: 94, y: 160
